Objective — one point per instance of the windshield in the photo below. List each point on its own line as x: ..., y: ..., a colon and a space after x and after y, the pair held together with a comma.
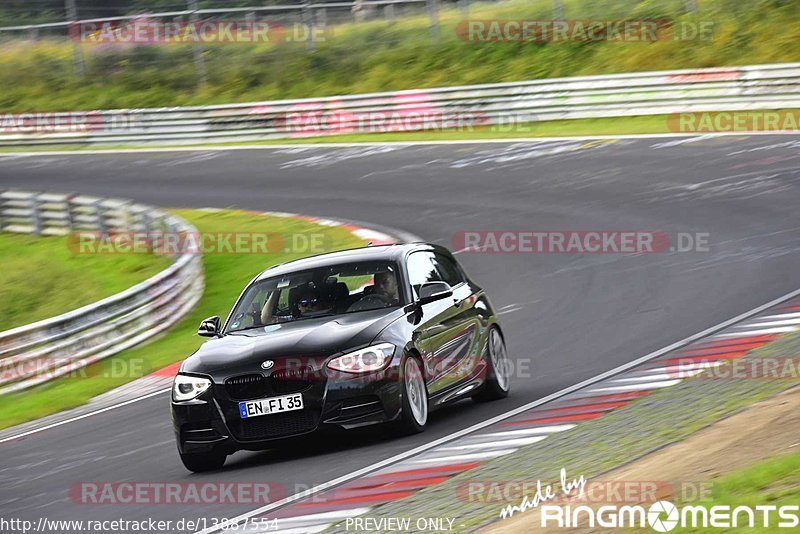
x: 333, y: 290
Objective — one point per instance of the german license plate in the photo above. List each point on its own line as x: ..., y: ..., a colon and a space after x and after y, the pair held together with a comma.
x: 286, y: 403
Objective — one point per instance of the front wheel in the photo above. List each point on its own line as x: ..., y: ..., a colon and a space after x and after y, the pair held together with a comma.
x: 497, y: 382
x: 414, y: 415
x: 199, y: 462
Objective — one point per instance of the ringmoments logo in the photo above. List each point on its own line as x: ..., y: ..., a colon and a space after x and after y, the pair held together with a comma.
x: 660, y: 516
x: 664, y: 516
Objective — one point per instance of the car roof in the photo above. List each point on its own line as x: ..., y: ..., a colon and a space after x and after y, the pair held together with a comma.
x: 393, y: 252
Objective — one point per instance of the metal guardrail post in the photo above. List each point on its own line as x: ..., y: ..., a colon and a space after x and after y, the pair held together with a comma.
x: 147, y: 225
x: 69, y: 204
x: 99, y: 217
x: 197, y: 48
x: 388, y: 13
x: 558, y: 10
x: 433, y: 15
x: 321, y: 20
x: 463, y: 5
x: 36, y: 216
x: 308, y: 21
x: 77, y: 51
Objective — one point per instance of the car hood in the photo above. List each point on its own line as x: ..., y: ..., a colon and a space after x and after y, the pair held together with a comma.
x: 309, y: 338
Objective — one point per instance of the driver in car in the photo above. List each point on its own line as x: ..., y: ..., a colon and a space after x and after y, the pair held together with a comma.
x: 386, y: 286
x: 309, y: 302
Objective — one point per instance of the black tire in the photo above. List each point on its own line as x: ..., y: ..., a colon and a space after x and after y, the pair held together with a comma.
x: 411, y: 423
x: 199, y: 462
x: 494, y: 388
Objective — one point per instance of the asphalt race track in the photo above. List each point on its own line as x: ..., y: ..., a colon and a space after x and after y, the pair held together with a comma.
x: 570, y: 316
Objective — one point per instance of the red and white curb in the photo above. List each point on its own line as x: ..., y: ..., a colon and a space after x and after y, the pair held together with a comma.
x: 367, y: 493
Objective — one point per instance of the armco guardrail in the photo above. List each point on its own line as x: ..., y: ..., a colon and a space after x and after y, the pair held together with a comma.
x: 648, y: 93
x: 62, y: 345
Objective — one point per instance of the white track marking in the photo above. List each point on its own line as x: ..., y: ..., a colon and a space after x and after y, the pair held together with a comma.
x: 670, y: 370
x: 780, y: 316
x: 747, y: 333
x: 84, y: 416
x: 306, y: 523
x: 645, y: 378
x: 300, y: 530
x: 304, y: 146
x: 682, y: 373
x: 528, y: 431
x: 638, y: 387
x: 366, y: 233
x: 456, y: 458
x: 784, y: 322
x: 518, y: 442
x: 511, y: 413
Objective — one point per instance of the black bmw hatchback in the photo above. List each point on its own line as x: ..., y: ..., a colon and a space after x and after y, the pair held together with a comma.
x: 352, y: 338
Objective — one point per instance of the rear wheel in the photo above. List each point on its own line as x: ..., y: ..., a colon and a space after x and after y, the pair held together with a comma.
x: 199, y: 462
x: 498, y: 381
x: 414, y: 415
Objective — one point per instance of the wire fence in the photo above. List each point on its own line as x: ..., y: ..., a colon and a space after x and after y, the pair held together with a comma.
x: 347, y: 28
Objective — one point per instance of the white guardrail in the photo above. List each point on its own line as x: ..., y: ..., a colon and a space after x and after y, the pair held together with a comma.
x: 647, y: 93
x: 63, y: 345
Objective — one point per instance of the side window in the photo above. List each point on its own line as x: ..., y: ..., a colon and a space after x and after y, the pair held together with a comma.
x: 249, y: 310
x: 421, y: 270
x: 448, y: 270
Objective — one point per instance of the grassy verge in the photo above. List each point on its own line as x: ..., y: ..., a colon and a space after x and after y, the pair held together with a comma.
x: 637, y: 125
x: 42, y: 277
x: 775, y: 481
x: 37, y: 75
x: 226, y: 275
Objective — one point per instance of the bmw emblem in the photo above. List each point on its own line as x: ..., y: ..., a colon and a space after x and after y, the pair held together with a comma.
x: 267, y: 364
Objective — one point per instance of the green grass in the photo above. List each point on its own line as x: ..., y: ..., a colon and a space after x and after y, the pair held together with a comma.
x: 42, y: 277
x: 775, y: 481
x: 226, y: 275
x: 376, y: 56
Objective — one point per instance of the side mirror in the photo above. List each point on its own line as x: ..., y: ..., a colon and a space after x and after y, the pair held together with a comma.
x: 433, y: 291
x: 209, y: 327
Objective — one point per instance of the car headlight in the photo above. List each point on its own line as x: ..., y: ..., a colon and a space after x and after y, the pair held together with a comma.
x: 189, y: 387
x: 372, y: 358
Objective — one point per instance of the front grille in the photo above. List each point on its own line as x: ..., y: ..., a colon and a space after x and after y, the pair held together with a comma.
x: 292, y: 380
x: 276, y: 425
x: 246, y: 387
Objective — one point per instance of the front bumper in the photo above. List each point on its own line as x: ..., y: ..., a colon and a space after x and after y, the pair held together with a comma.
x: 212, y: 420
